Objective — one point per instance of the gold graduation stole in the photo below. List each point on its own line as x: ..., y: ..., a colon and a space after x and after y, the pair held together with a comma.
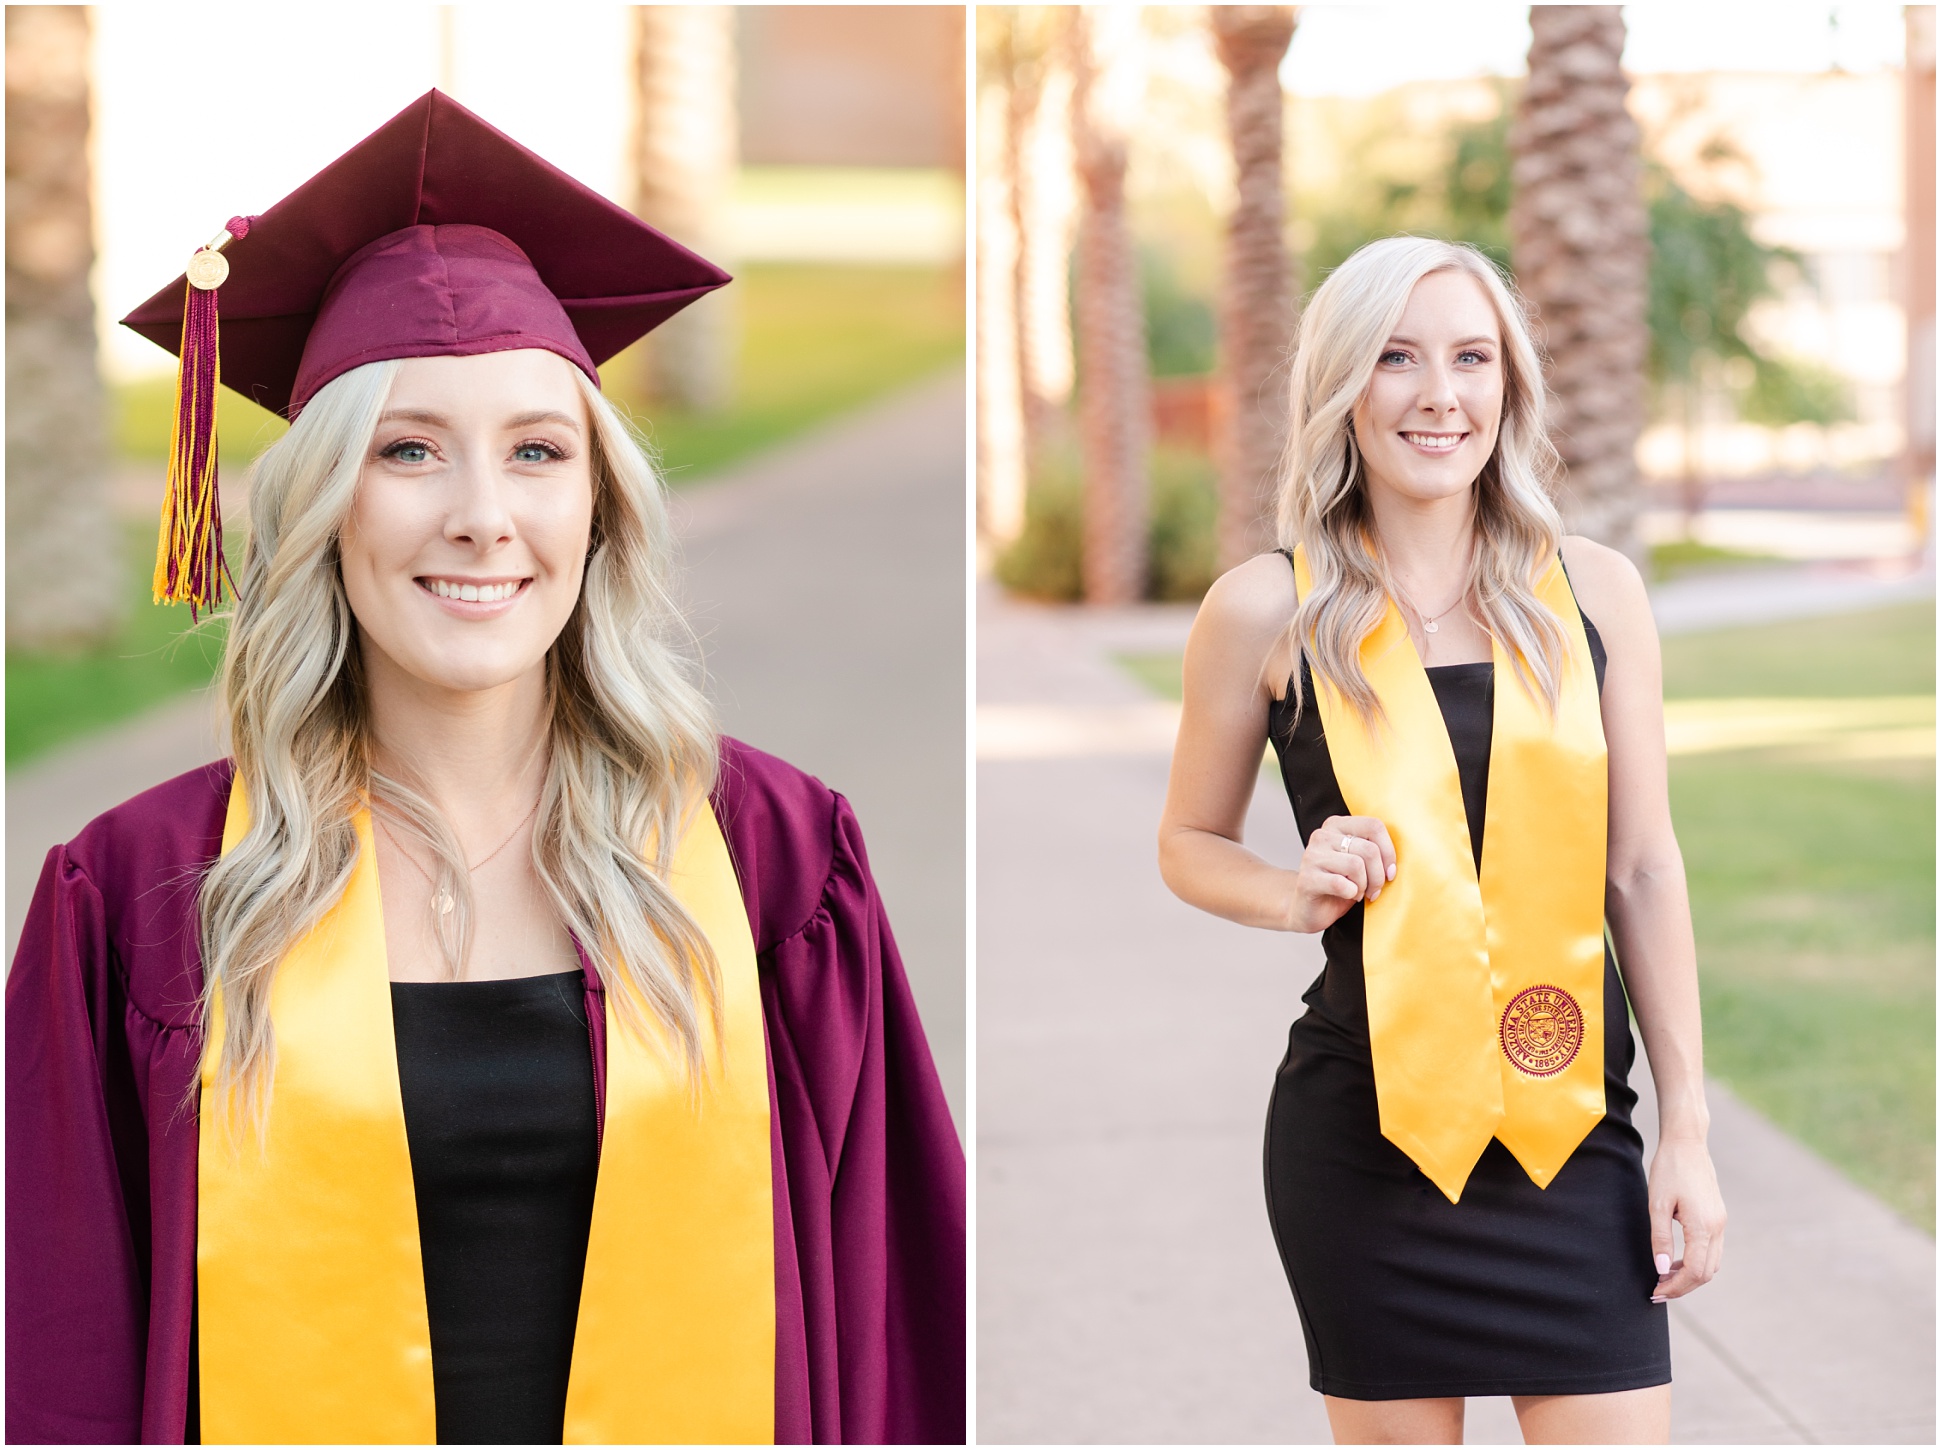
x: 1485, y: 997
x: 309, y: 1277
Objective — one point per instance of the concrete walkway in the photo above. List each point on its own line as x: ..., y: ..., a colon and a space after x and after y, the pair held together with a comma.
x: 826, y: 583
x: 1128, y: 1288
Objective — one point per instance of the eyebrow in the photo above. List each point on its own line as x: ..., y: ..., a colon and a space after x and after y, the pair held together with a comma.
x: 1465, y: 342
x: 439, y: 420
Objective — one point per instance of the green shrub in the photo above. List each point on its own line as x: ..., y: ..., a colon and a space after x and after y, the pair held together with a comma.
x: 1185, y: 514
x: 1045, y: 560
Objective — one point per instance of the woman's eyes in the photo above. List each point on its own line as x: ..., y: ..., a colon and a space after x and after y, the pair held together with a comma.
x: 1395, y: 357
x: 414, y: 451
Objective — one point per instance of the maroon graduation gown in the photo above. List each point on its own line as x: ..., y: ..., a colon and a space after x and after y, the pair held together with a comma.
x: 103, y: 1045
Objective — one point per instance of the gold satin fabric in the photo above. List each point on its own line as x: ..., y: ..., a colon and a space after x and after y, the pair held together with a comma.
x: 1485, y: 996
x: 310, y: 1284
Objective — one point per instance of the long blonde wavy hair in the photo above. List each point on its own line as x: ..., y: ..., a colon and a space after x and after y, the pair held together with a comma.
x: 632, y: 747
x: 1324, y: 492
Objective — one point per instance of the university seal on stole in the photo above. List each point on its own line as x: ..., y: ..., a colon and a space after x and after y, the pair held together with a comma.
x: 1542, y: 1029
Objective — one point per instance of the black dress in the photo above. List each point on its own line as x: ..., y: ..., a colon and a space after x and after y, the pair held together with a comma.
x: 1515, y: 1290
x: 499, y: 1109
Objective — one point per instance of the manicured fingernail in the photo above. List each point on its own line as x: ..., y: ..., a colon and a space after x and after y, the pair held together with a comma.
x: 1391, y: 873
x: 1657, y: 1298
x: 1664, y: 1263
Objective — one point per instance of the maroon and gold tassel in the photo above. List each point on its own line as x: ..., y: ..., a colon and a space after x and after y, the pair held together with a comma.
x: 189, y: 567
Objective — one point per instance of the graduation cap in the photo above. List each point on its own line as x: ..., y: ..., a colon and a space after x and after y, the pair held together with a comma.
x: 436, y: 236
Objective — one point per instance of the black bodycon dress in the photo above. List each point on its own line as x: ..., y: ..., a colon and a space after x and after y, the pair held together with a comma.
x: 1515, y: 1290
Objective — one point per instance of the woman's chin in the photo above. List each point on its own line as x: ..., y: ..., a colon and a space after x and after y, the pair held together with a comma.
x: 482, y: 673
x: 1435, y: 481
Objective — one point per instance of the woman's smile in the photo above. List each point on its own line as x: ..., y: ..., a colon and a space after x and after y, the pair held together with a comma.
x: 1435, y: 442
x: 474, y: 598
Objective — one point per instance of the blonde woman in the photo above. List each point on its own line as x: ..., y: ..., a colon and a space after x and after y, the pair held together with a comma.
x: 1465, y: 705
x: 489, y: 1052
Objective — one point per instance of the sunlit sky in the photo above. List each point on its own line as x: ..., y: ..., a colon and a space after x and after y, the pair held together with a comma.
x: 204, y: 112
x: 1357, y: 50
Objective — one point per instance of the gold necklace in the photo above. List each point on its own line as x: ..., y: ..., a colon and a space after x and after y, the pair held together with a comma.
x: 1428, y: 621
x: 441, y: 900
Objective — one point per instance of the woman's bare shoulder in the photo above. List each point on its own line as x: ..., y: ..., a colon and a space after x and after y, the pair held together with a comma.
x: 1252, y: 603
x: 1607, y: 584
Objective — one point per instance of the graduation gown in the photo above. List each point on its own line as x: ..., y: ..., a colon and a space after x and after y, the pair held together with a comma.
x: 104, y: 1043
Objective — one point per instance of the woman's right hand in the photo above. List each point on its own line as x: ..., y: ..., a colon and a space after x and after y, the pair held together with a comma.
x: 1239, y: 644
x: 1348, y: 859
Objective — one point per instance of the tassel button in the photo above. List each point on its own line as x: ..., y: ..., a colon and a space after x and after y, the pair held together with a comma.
x: 208, y: 270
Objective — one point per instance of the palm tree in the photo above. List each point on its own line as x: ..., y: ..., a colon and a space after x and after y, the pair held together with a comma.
x: 63, y: 548
x: 1114, y: 402
x: 684, y: 158
x: 1000, y: 407
x: 1257, y: 303
x: 1578, y: 236
x: 1043, y: 205
x: 1918, y: 260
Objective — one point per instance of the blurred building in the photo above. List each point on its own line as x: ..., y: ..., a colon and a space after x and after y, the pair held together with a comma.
x: 850, y: 85
x: 852, y: 133
x: 1819, y: 167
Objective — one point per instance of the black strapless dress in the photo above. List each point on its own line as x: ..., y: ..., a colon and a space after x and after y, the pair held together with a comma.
x: 1515, y: 1290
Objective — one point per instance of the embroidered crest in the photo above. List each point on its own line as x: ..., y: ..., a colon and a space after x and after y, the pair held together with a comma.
x: 1542, y: 1029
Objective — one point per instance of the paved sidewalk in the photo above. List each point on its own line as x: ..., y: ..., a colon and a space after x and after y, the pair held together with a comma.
x: 1128, y: 1287
x: 826, y: 584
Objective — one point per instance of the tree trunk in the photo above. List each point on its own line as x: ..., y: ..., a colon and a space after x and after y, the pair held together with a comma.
x: 1114, y: 401
x: 1918, y: 264
x: 684, y: 160
x: 1578, y: 235
x: 1044, y: 209
x: 1257, y: 301
x: 1000, y: 417
x: 64, y: 551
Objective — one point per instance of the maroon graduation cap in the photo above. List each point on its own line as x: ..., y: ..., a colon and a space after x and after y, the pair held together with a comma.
x: 436, y: 236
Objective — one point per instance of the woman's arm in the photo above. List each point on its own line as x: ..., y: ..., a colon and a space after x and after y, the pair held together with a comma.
x: 1649, y: 913
x: 1237, y: 647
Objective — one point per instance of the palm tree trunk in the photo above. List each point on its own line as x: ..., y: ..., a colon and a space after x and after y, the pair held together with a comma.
x: 1000, y: 408
x: 64, y: 554
x: 1114, y: 388
x: 1918, y: 265
x: 1257, y: 302
x: 686, y: 144
x: 1044, y: 206
x: 1578, y: 235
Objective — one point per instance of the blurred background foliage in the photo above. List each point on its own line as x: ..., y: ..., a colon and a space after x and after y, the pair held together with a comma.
x: 1442, y: 174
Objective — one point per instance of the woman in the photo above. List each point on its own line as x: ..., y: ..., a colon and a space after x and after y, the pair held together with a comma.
x: 490, y: 1052
x: 1465, y: 705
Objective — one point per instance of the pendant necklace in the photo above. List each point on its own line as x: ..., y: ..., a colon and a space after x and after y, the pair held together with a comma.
x: 441, y: 900
x: 1429, y: 625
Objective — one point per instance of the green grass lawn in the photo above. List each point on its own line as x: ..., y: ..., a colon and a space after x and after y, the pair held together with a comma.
x: 815, y: 342
x: 52, y: 698
x: 1812, y: 886
x: 1812, y: 883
